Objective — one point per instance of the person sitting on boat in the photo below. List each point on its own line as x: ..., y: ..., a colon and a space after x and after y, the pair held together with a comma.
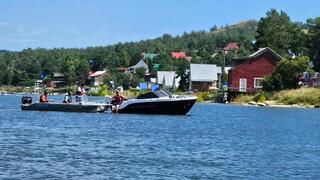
x: 68, y: 98
x: 116, y: 100
x: 80, y: 93
x: 44, y: 97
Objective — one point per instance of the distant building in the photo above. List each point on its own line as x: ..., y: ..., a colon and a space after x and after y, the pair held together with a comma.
x: 58, y: 80
x: 247, y: 73
x: 181, y: 55
x: 123, y: 70
x: 232, y: 46
x: 310, y: 81
x: 140, y: 64
x: 226, y: 69
x: 153, y: 80
x: 315, y: 80
x: 178, y: 55
x: 204, y: 76
x: 150, y: 56
x: 168, y: 79
x: 132, y: 69
x: 38, y: 86
x: 188, y: 58
x: 97, y: 78
x: 156, y: 67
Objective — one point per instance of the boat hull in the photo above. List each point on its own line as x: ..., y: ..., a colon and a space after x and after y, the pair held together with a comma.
x: 62, y: 107
x: 163, y: 106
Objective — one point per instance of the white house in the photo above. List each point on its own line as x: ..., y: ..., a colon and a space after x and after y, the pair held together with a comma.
x: 204, y: 76
x: 97, y: 77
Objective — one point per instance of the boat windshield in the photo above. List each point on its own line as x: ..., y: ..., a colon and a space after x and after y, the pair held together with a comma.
x: 155, y: 94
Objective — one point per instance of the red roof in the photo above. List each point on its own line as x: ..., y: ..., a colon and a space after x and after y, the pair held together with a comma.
x: 178, y: 55
x: 98, y: 73
x: 232, y: 46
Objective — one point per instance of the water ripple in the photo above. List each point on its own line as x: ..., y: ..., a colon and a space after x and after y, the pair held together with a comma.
x: 213, y: 142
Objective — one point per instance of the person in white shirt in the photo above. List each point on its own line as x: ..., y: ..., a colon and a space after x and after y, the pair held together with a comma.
x: 80, y: 93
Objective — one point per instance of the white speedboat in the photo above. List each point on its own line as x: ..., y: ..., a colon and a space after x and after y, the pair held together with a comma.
x: 158, y: 102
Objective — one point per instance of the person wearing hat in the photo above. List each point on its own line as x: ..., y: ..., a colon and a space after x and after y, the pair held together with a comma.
x: 117, y: 99
x: 44, y: 97
x: 67, y: 98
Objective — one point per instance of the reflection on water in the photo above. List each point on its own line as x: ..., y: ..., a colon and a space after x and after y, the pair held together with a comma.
x: 212, y: 141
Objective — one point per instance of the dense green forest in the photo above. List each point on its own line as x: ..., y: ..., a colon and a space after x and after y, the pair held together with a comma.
x: 276, y: 30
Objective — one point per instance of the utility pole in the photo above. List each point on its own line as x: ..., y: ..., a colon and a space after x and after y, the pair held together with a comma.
x: 222, y: 68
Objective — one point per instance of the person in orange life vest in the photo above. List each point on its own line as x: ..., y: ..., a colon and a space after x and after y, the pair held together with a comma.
x: 44, y: 97
x: 117, y: 99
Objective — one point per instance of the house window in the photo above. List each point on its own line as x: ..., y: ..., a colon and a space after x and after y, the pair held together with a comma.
x: 258, y: 82
x: 243, y: 85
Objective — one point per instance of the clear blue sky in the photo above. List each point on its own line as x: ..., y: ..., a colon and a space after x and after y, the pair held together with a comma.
x: 79, y: 23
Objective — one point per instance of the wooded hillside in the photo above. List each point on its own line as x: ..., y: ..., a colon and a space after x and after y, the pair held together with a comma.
x: 22, y: 68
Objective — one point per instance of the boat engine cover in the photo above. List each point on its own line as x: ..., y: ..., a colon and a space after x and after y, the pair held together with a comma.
x: 26, y: 100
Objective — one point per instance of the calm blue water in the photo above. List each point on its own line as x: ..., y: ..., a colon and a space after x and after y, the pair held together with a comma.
x: 212, y: 141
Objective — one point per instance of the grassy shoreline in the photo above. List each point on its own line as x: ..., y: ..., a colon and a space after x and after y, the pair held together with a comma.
x: 303, y: 97
x: 16, y: 89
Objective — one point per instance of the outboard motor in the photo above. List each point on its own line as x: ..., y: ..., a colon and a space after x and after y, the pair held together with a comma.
x: 26, y: 100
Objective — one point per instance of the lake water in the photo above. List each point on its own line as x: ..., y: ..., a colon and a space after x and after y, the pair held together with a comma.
x: 212, y: 141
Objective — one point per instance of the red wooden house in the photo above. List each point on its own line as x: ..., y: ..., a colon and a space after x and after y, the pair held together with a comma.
x: 247, y: 73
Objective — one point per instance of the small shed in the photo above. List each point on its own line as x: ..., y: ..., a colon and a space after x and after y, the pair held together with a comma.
x: 97, y: 78
x: 247, y: 73
x: 204, y: 76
